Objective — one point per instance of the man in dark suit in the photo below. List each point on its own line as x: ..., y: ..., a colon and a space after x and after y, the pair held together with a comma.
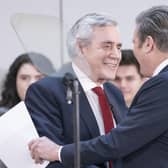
x: 94, y: 45
x: 141, y: 139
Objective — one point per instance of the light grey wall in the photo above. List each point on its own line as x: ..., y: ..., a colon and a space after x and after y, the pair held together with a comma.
x: 10, y: 45
x: 122, y: 11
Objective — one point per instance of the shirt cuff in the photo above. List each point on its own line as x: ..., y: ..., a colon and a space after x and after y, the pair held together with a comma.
x: 59, y: 153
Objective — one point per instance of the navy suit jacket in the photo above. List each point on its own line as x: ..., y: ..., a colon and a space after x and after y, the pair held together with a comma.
x: 141, y: 139
x: 53, y: 117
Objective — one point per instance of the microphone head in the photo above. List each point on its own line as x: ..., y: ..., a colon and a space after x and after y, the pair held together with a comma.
x: 68, y: 79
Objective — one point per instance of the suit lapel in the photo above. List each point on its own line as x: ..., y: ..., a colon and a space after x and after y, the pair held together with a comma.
x: 148, y: 84
x: 87, y: 115
x: 86, y: 112
x: 114, y: 105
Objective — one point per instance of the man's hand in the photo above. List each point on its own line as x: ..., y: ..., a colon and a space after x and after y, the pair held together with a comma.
x: 43, y: 149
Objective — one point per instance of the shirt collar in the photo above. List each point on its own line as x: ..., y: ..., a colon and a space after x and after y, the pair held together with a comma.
x: 85, y: 81
x: 160, y: 67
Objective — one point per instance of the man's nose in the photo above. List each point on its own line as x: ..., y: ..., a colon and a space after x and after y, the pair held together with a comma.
x: 115, y: 52
x: 123, y: 84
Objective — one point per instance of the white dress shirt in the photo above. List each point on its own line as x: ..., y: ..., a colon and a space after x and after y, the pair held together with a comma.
x: 160, y: 67
x: 87, y: 85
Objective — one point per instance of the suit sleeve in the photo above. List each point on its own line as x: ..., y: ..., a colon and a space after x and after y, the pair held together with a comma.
x: 44, y: 109
x: 46, y: 105
x: 145, y: 121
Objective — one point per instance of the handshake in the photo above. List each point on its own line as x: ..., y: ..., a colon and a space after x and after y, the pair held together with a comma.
x: 43, y: 149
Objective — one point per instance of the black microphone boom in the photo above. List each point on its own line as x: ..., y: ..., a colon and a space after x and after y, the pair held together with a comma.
x: 72, y: 86
x: 68, y: 80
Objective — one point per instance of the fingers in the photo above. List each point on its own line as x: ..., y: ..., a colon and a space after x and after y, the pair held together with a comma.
x: 35, y: 150
x: 43, y: 149
x: 38, y: 160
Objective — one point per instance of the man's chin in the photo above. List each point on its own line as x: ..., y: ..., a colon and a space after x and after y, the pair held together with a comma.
x: 110, y: 77
x: 107, y: 79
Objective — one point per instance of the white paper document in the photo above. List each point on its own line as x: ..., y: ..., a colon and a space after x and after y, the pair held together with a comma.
x: 16, y: 131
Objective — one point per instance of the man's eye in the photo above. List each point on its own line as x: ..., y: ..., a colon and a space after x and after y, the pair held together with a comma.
x: 119, y: 47
x: 107, y: 46
x: 117, y: 79
x: 130, y: 78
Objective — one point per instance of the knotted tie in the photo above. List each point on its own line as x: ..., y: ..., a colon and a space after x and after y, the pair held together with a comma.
x: 106, y: 112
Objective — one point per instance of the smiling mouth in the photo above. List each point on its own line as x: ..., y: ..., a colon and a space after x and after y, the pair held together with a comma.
x: 111, y: 65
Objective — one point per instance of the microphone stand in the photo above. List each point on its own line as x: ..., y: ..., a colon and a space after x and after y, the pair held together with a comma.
x: 72, y: 96
x: 76, y: 123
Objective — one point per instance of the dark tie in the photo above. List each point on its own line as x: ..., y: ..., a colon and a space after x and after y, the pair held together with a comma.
x: 106, y: 112
x: 105, y: 109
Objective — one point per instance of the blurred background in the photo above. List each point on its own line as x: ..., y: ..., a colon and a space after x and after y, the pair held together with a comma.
x: 34, y: 25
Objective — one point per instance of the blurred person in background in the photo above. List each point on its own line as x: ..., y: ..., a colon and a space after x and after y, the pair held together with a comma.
x: 25, y: 69
x: 128, y: 77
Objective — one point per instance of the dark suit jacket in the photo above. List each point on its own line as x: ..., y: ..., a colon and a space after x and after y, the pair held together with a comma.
x: 53, y: 117
x: 141, y: 139
x: 2, y: 164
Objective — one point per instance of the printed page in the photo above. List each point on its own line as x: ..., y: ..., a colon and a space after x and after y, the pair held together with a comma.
x: 16, y: 130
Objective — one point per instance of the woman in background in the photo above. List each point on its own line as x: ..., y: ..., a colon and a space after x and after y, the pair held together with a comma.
x: 26, y: 69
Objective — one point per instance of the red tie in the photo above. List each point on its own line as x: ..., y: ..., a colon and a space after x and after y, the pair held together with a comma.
x: 106, y: 112
x: 105, y: 108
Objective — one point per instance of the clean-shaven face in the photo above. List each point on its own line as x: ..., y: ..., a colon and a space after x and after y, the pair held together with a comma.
x: 140, y: 54
x: 103, y: 54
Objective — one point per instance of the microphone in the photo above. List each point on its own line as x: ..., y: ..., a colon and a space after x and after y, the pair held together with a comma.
x: 72, y: 86
x: 68, y: 80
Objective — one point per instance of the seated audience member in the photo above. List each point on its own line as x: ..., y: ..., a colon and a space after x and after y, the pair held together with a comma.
x: 26, y: 69
x: 128, y: 77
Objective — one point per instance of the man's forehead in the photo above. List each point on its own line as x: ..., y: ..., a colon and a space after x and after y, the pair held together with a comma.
x: 128, y: 68
x: 126, y: 75
x: 106, y: 35
x: 111, y: 42
x: 106, y: 29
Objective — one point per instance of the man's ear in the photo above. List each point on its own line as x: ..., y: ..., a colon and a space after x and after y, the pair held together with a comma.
x: 148, y: 44
x: 81, y: 46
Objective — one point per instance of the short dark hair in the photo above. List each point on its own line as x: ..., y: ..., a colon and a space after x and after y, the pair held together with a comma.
x: 128, y: 58
x: 154, y: 22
